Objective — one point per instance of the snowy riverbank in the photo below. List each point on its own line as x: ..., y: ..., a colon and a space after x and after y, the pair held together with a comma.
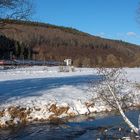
x: 44, y: 93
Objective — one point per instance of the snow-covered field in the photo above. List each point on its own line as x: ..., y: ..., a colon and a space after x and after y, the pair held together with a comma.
x: 44, y: 93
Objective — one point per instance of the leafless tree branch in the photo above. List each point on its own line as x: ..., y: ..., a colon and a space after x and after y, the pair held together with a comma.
x: 111, y: 89
x: 15, y: 9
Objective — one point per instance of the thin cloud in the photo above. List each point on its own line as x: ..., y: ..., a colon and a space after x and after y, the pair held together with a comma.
x: 102, y: 33
x: 133, y: 34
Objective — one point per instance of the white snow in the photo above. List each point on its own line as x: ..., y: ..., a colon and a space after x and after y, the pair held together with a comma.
x: 37, y: 88
x: 40, y: 72
x: 133, y: 74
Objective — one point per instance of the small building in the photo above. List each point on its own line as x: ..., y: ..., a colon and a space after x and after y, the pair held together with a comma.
x: 68, y: 62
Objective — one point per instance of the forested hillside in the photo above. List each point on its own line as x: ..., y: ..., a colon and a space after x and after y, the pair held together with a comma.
x: 40, y: 41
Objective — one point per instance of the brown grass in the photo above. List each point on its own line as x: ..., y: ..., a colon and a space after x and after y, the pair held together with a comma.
x: 1, y: 113
x: 20, y: 113
x: 58, y: 110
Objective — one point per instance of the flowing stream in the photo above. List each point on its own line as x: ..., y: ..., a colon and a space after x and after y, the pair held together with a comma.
x: 101, y: 127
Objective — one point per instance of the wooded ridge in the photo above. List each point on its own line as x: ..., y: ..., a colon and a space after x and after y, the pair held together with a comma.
x: 41, y: 41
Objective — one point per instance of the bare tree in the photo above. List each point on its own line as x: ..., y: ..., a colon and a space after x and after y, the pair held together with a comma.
x: 15, y: 9
x: 111, y: 89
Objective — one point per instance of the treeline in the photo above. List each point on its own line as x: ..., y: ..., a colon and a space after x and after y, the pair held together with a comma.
x: 45, y: 25
x: 11, y: 49
x: 39, y: 41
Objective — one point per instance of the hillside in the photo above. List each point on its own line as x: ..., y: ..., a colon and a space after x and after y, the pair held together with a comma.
x: 40, y: 41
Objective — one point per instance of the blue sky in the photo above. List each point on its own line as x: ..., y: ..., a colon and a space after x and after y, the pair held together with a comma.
x: 114, y: 19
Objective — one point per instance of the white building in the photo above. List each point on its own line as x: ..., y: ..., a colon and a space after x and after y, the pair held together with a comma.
x: 68, y: 62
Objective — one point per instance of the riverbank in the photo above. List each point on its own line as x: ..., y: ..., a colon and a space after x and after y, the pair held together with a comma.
x: 46, y: 94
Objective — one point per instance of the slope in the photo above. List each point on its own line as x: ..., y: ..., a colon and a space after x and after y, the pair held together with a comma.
x: 40, y: 41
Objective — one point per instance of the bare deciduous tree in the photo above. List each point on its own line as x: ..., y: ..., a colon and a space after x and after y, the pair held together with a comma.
x: 111, y: 89
x: 15, y: 9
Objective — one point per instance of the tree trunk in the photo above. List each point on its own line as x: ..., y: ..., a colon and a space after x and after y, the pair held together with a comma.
x: 129, y: 123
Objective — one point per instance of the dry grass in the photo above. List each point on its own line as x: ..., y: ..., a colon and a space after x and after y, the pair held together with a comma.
x: 20, y: 113
x: 58, y: 110
x: 1, y: 113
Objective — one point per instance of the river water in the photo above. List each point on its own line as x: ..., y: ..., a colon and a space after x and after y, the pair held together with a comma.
x: 101, y: 127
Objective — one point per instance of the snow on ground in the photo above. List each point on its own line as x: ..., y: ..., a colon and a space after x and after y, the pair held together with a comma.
x: 40, y: 72
x: 44, y: 93
x: 133, y: 74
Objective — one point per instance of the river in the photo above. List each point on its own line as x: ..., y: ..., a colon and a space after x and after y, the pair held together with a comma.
x: 78, y: 128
